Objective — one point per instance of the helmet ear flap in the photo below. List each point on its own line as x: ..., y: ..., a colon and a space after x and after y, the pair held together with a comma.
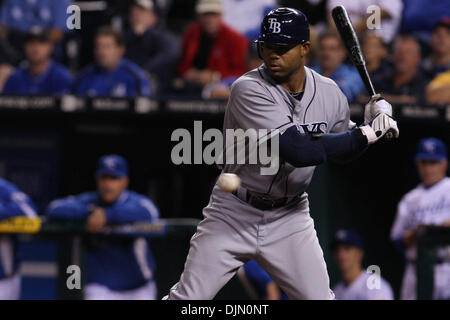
x: 258, y: 48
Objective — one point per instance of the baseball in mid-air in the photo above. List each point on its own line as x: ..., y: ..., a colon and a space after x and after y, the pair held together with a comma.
x: 229, y: 182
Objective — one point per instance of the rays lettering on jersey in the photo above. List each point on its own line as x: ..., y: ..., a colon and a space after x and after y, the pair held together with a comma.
x: 314, y: 128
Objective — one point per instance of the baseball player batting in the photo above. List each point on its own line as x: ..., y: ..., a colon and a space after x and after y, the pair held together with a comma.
x: 267, y: 218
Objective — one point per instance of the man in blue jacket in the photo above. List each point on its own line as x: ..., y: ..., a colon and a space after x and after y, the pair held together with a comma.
x: 111, y: 75
x: 13, y: 203
x: 39, y: 75
x: 115, y: 268
x: 150, y: 45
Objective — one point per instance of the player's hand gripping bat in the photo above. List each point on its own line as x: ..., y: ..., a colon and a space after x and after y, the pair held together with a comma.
x: 348, y: 35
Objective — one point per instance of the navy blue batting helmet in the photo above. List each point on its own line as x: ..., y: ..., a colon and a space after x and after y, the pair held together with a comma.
x: 284, y: 26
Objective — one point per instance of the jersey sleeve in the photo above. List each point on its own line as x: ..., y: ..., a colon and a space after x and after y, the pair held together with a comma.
x: 11, y: 85
x: 400, y: 224
x: 342, y: 117
x: 64, y: 82
x: 253, y: 107
x: 143, y: 84
x: 72, y: 207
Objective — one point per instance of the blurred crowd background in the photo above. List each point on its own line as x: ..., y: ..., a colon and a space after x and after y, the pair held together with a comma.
x: 197, y: 49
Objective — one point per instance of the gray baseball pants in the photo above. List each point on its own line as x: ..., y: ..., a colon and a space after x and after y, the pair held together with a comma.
x: 283, y: 241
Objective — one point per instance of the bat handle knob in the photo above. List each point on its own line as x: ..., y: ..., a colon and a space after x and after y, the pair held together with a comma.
x: 389, y: 135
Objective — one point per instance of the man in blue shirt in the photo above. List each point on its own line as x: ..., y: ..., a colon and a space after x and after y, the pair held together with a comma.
x: 331, y: 56
x: 115, y: 268
x: 40, y: 75
x: 111, y: 75
x: 18, y: 17
x: 13, y: 203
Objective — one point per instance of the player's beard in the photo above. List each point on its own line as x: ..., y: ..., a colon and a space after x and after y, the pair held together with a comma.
x: 284, y: 78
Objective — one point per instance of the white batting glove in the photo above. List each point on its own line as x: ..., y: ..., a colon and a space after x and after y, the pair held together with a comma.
x: 379, y: 127
x: 376, y: 105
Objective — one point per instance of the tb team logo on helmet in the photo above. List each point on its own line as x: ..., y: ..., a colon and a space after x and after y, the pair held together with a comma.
x: 284, y: 26
x: 274, y: 25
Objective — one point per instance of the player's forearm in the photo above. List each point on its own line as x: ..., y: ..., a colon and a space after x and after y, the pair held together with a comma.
x: 61, y: 210
x: 304, y: 150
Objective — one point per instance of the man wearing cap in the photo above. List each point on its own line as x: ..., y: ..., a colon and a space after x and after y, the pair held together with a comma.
x: 356, y: 284
x: 18, y: 17
x: 211, y: 50
x: 40, y: 75
x: 114, y: 269
x: 149, y: 45
x: 427, y: 204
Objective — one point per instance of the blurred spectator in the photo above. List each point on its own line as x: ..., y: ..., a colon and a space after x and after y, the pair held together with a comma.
x: 407, y: 82
x: 40, y: 75
x: 5, y: 71
x: 349, y: 254
x: 331, y: 55
x: 427, y: 204
x: 378, y: 65
x: 19, y: 17
x: 439, y: 60
x: 258, y: 283
x: 23, y: 15
x: 375, y: 54
x: 211, y: 51
x: 13, y: 203
x: 152, y: 47
x: 420, y: 16
x: 390, y: 16
x: 8, y: 58
x: 111, y: 75
x: 246, y: 16
x: 438, y: 90
x: 221, y: 89
x: 116, y: 270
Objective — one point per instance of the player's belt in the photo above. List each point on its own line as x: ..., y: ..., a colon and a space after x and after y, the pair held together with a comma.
x: 262, y: 202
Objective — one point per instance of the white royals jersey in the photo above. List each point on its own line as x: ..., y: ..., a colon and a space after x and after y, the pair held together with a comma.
x: 424, y: 206
x: 359, y: 290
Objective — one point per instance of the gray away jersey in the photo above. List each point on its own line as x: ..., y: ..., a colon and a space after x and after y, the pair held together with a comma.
x: 257, y: 102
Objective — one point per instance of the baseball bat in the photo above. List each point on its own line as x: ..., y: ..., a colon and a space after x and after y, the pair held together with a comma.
x: 350, y: 40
